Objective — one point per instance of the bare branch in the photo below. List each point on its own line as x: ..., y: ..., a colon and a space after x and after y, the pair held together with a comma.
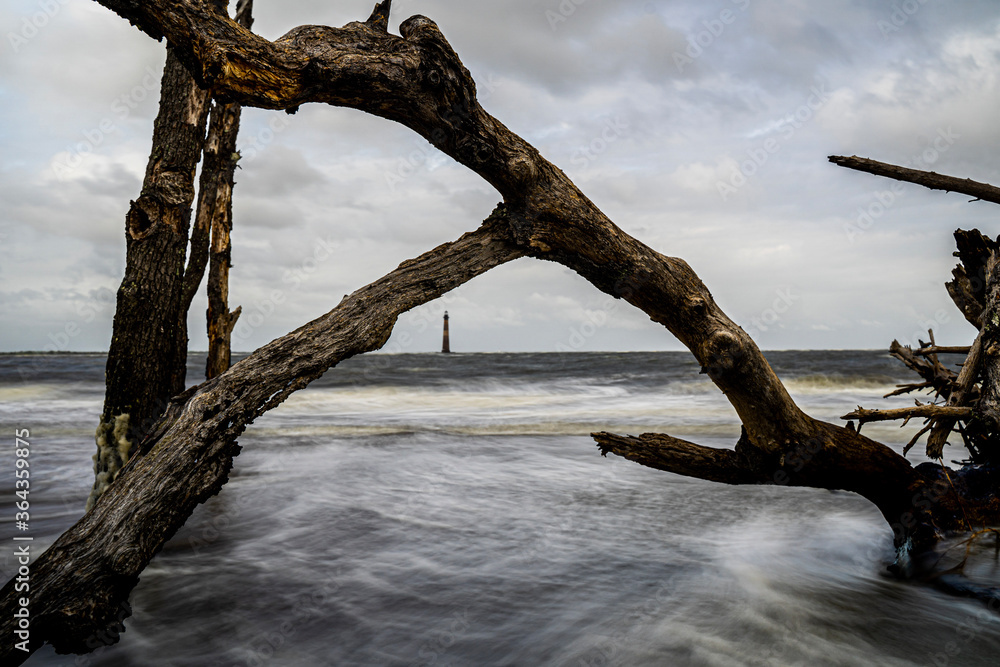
x: 928, y: 179
x: 936, y: 411
x: 907, y: 388
x: 939, y: 349
x: 934, y: 374
x: 664, y: 452
x: 960, y: 396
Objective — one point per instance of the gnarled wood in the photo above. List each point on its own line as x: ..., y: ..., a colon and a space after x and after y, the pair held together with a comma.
x: 987, y: 425
x: 663, y: 452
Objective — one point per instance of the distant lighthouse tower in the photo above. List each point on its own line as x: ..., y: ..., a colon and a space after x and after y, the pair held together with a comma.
x: 445, y: 345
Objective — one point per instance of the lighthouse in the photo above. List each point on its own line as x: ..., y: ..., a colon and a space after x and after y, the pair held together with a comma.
x: 445, y: 346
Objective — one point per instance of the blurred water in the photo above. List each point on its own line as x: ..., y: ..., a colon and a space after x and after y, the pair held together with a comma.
x: 452, y: 510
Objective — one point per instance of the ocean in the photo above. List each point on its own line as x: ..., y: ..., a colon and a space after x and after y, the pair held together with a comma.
x: 445, y: 510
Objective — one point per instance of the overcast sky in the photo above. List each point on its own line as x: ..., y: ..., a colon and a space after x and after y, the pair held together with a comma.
x: 701, y: 128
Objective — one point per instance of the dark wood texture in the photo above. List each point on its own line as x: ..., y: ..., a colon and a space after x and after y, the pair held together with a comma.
x: 220, y: 153
x: 928, y: 179
x: 148, y: 352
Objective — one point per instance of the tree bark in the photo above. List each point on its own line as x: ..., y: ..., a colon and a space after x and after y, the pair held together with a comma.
x: 418, y: 80
x: 148, y: 353
x: 938, y: 411
x: 986, y: 426
x: 928, y: 179
x: 221, y: 157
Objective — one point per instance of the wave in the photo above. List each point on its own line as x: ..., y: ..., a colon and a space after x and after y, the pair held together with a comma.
x: 838, y: 382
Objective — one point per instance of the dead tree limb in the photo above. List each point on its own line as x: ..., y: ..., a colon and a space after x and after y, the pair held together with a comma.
x: 960, y: 394
x: 663, y: 452
x: 928, y: 179
x: 934, y: 374
x: 987, y: 424
x: 936, y: 411
x: 220, y: 147
x: 941, y: 349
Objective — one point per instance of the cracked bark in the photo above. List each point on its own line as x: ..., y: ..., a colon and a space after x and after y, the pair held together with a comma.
x: 148, y: 352
x: 220, y: 151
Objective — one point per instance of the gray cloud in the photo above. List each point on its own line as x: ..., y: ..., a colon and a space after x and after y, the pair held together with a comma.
x: 78, y: 100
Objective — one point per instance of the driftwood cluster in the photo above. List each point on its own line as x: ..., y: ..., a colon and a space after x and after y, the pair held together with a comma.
x: 182, y: 454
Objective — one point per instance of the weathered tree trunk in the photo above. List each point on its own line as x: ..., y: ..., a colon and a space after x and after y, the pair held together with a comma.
x: 221, y: 150
x: 418, y: 80
x: 221, y: 162
x: 148, y: 353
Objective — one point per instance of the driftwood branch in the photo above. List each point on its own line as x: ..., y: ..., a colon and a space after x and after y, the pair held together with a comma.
x: 941, y: 349
x: 960, y: 396
x: 663, y: 452
x: 934, y: 374
x: 933, y: 411
x: 928, y: 179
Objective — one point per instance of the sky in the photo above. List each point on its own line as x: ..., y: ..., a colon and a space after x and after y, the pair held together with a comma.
x: 700, y: 127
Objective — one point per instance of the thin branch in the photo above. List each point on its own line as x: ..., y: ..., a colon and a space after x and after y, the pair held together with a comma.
x: 915, y: 438
x: 941, y: 349
x: 940, y: 378
x: 907, y: 388
x: 936, y: 411
x: 928, y: 179
x: 960, y: 396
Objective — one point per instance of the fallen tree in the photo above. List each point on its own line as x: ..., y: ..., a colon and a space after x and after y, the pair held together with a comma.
x: 80, y: 583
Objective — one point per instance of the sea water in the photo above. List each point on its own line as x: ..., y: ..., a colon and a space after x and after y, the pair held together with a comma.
x: 428, y: 509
